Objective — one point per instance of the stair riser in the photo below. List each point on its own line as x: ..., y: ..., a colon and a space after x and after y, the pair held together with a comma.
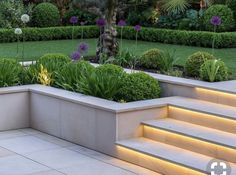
x: 154, y: 164
x: 202, y: 119
x: 191, y: 144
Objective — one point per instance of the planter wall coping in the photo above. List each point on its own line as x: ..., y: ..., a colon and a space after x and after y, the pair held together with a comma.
x: 85, y: 100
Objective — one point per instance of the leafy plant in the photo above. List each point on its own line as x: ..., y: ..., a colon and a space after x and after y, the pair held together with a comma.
x: 70, y: 74
x: 11, y: 11
x: 194, y: 62
x: 44, y: 77
x: 10, y: 71
x: 52, y: 63
x: 102, y: 82
x: 167, y: 61
x: 214, y: 70
x: 175, y: 6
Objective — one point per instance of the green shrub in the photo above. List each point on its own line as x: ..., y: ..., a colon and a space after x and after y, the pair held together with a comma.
x: 70, y: 74
x: 214, y: 70
x: 10, y: 71
x: 46, y: 15
x: 51, y: 62
x: 110, y: 69
x: 138, y: 86
x: 194, y: 62
x: 232, y: 4
x: 103, y: 82
x: 83, y: 16
x: 226, y: 15
x: 151, y: 59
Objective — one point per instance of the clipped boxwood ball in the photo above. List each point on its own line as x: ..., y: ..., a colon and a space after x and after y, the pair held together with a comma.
x: 138, y: 86
x: 226, y: 15
x: 111, y: 69
x: 214, y: 70
x: 151, y: 59
x: 46, y: 15
x: 194, y: 62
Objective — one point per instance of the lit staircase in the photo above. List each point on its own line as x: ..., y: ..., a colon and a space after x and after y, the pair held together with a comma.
x: 194, y: 133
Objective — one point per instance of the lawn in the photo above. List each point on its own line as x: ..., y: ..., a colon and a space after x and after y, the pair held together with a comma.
x: 34, y: 50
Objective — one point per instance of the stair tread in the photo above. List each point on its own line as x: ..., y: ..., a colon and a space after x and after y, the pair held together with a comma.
x: 204, y: 106
x: 170, y: 153
x: 195, y: 131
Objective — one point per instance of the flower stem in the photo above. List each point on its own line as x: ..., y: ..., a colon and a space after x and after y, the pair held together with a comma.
x: 136, y: 43
x: 121, y: 40
x: 213, y: 42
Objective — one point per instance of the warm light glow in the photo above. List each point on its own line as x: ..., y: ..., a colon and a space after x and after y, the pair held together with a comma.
x: 211, y: 121
x: 153, y: 163
x: 216, y: 93
x: 192, y: 144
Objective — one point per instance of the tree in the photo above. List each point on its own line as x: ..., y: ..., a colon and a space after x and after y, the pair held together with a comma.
x: 107, y: 9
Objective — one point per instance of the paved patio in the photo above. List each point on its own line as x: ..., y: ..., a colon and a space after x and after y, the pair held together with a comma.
x: 30, y: 152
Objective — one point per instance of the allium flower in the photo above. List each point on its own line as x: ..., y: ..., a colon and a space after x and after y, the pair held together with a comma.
x: 83, y: 47
x: 75, y: 56
x: 74, y: 20
x: 137, y: 28
x: 101, y: 22
x: 216, y: 20
x: 18, y: 31
x: 25, y: 18
x: 122, y: 23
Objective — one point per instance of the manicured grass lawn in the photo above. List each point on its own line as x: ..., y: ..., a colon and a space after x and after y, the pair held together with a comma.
x: 33, y: 50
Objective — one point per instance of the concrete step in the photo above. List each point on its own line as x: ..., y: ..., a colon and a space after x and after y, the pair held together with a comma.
x: 164, y: 158
x: 217, y: 116
x: 200, y: 139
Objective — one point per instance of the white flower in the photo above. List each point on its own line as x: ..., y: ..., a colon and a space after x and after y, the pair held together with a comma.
x: 18, y: 31
x: 25, y: 18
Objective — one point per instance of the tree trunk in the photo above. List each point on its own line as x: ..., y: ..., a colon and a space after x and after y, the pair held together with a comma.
x: 107, y: 42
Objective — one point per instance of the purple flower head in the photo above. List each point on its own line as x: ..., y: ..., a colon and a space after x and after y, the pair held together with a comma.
x: 83, y: 47
x: 75, y: 56
x: 216, y: 20
x: 122, y: 23
x: 101, y: 22
x: 137, y: 28
x: 74, y: 20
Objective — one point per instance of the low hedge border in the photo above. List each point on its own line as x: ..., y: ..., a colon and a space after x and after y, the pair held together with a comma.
x: 181, y: 37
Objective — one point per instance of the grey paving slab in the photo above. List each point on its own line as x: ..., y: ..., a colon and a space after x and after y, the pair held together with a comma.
x: 54, y: 140
x: 195, y: 131
x: 11, y: 134
x: 18, y: 165
x: 26, y: 144
x: 113, y: 161
x: 169, y: 153
x: 59, y: 158
x: 94, y: 167
x: 4, y: 152
x: 52, y: 172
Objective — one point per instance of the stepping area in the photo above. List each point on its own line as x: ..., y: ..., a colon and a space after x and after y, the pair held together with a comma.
x: 30, y: 152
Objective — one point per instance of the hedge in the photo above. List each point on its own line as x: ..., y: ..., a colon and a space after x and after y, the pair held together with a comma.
x: 181, y: 37
x: 50, y: 33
